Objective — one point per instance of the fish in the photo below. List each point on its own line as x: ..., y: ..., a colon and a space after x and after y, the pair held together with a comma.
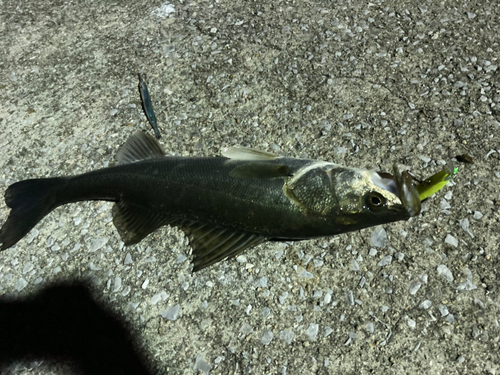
x: 225, y: 204
x: 147, y: 105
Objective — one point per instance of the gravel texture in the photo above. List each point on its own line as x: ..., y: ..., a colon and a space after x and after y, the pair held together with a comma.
x: 359, y: 83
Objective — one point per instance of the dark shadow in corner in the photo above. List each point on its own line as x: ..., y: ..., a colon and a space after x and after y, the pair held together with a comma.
x: 64, y: 323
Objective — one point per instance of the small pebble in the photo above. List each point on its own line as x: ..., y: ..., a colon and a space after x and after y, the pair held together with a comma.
x: 312, y: 331
x: 317, y: 262
x: 306, y: 274
x: 20, y: 284
x: 117, y: 284
x: 385, y: 261
x: 128, y: 259
x: 201, y: 365
x: 425, y: 305
x: 450, y: 240
x: 28, y: 267
x: 327, y: 299
x: 133, y: 305
x: 267, y: 337
x: 443, y: 310
x: 172, y: 313
x: 467, y: 285
x: 355, y: 265
x: 445, y: 272
x: 379, y: 237
x: 444, y: 205
x: 287, y: 336
x: 328, y: 331
x: 414, y: 287
x: 32, y: 234
x: 262, y: 282
x: 181, y: 258
x: 246, y: 329
x: 93, y: 267
x: 156, y: 298
x: 350, y: 298
x: 370, y: 327
x: 464, y: 223
x: 98, y: 244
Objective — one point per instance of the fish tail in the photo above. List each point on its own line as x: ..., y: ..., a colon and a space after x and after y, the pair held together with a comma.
x: 30, y: 201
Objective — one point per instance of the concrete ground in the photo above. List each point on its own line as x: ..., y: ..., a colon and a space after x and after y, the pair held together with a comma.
x: 359, y: 83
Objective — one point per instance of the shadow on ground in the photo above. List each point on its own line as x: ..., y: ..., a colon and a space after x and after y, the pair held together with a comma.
x: 65, y: 323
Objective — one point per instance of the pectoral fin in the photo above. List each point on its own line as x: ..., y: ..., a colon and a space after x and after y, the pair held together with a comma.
x: 212, y: 244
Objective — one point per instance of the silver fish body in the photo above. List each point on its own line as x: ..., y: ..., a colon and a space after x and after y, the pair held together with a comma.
x: 225, y: 205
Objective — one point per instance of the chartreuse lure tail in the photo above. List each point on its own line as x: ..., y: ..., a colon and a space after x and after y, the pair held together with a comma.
x: 436, y: 182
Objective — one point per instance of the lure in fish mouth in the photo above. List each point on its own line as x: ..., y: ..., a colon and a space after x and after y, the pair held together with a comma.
x: 400, y: 184
x: 407, y: 192
x: 224, y: 204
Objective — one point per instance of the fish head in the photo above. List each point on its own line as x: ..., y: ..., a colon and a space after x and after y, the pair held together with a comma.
x: 366, y: 198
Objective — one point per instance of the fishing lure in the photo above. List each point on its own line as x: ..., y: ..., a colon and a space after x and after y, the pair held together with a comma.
x: 436, y: 182
x: 148, y: 105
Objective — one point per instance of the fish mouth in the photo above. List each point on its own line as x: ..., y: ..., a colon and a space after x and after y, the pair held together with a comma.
x: 406, y: 191
x: 401, y: 185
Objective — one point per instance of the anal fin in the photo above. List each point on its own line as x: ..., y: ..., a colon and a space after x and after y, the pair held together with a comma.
x: 135, y: 222
x: 212, y: 244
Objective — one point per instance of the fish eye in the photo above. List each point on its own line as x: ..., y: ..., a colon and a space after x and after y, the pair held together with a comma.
x: 374, y: 200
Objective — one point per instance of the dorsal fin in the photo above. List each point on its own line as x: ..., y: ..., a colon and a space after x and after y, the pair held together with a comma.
x: 247, y: 153
x: 139, y: 146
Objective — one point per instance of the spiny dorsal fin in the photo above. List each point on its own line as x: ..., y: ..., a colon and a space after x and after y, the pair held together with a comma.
x: 212, y: 244
x: 247, y: 153
x: 139, y: 146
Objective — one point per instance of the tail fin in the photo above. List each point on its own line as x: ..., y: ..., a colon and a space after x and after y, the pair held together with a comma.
x: 30, y: 201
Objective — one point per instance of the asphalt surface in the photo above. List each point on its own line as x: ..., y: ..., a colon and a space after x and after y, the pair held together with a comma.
x: 358, y: 83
